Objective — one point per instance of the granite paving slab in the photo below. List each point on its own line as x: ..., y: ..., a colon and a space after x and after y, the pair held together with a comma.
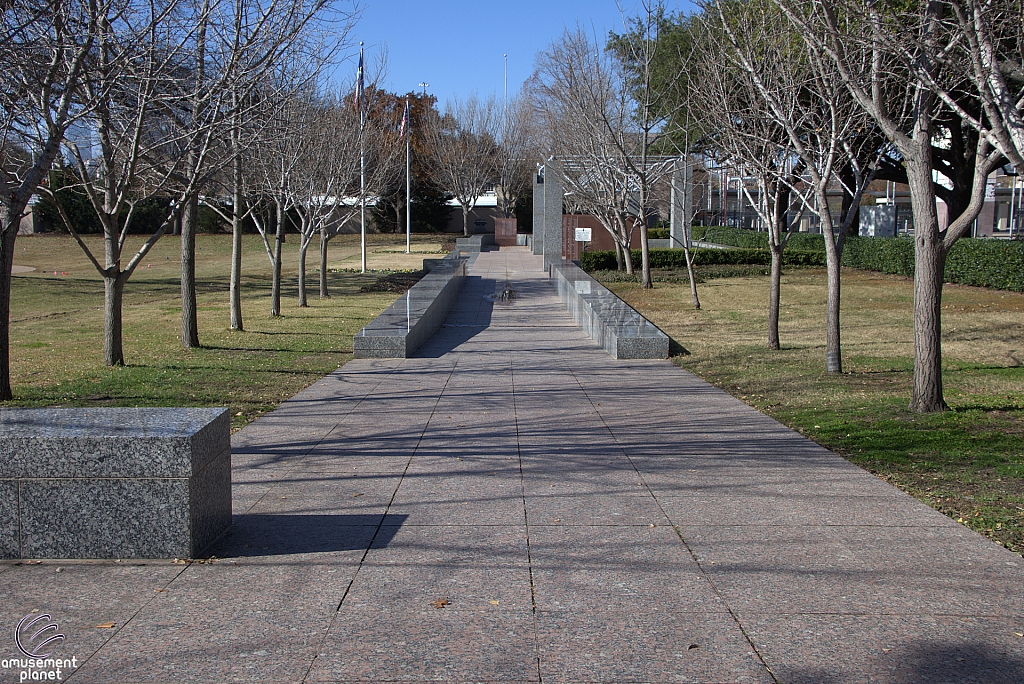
x: 512, y: 504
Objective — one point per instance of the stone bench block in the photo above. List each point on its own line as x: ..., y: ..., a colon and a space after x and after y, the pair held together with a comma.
x: 609, y: 321
x: 414, y: 316
x: 113, y: 482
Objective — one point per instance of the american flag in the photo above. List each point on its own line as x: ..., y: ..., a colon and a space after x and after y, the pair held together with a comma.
x: 405, y: 121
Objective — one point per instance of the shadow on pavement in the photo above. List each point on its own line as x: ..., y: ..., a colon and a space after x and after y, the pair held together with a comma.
x: 263, y: 534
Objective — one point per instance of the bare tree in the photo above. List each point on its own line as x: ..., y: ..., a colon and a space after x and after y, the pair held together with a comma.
x: 43, y: 50
x: 637, y: 52
x: 238, y: 44
x: 131, y: 68
x: 583, y: 115
x: 729, y: 114
x: 877, y: 59
x: 988, y: 47
x: 803, y: 97
x: 513, y: 171
x: 462, y: 150
x: 328, y: 172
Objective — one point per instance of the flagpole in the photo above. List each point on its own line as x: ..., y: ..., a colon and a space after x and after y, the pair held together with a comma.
x: 408, y: 183
x: 362, y: 165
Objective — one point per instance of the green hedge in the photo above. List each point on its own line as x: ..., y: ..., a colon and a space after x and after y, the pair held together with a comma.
x: 675, y: 258
x: 997, y: 264
x: 738, y: 237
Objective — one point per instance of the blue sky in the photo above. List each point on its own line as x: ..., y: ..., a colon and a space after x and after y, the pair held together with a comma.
x: 457, y: 45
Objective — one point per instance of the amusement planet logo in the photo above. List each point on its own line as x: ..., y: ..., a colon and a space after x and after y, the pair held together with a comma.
x: 36, y: 636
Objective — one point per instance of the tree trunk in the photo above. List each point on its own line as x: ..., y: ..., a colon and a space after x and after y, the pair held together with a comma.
x: 627, y: 253
x: 619, y: 262
x: 929, y: 264
x: 692, y: 276
x: 848, y: 180
x: 303, y: 245
x: 465, y: 221
x: 833, y: 351
x: 774, y: 297
x: 929, y: 267
x: 189, y: 320
x: 236, y: 272
x: 10, y: 221
x: 324, y: 294
x: 113, y: 297
x: 275, y: 283
x: 235, y: 288
x: 645, y: 258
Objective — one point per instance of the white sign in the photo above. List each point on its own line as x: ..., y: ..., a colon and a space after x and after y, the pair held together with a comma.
x: 582, y: 286
x: 990, y: 189
x: 583, y: 235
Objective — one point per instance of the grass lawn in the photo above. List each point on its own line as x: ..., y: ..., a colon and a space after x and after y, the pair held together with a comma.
x: 57, y: 323
x: 967, y: 462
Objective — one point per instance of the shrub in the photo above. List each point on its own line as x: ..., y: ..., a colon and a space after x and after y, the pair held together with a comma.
x: 676, y: 258
x: 980, y: 262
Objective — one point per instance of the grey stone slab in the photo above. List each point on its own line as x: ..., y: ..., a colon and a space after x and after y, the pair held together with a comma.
x: 537, y: 246
x: 714, y: 506
x: 818, y: 569
x: 594, y: 509
x: 226, y: 645
x: 110, y: 442
x: 637, y: 569
x: 319, y: 496
x: 429, y: 644
x: 630, y: 646
x: 316, y: 584
x: 889, y: 649
x: 553, y: 196
x: 414, y: 317
x: 89, y: 518
x: 10, y: 541
x: 612, y: 323
x: 470, y: 567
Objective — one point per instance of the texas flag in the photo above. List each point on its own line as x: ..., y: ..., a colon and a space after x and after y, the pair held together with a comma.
x: 359, y: 83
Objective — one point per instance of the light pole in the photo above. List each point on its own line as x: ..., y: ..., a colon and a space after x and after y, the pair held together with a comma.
x: 408, y: 179
x: 424, y: 85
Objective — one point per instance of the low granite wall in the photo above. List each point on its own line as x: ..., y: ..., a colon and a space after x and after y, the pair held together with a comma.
x: 612, y: 323
x: 113, y: 482
x: 474, y: 243
x: 415, y: 316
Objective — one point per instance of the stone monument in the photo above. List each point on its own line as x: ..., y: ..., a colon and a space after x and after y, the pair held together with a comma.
x: 552, y: 236
x: 538, y: 210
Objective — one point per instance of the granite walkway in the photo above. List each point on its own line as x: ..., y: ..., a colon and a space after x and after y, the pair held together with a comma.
x: 515, y: 505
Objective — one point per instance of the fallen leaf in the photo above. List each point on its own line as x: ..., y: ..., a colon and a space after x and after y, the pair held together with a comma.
x: 440, y: 603
x: 494, y: 603
x: 692, y: 646
x: 355, y: 495
x: 160, y: 591
x: 1019, y: 634
x: 886, y: 650
x: 105, y: 625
